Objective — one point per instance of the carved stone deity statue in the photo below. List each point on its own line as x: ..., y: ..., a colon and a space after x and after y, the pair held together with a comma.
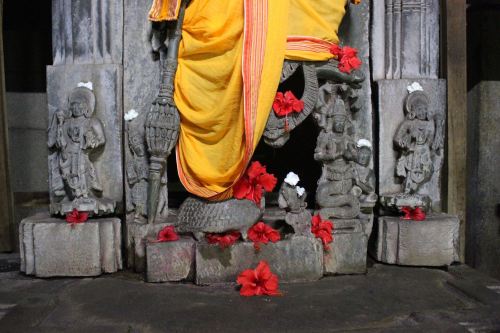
x: 74, y: 134
x: 418, y: 139
x: 335, y: 149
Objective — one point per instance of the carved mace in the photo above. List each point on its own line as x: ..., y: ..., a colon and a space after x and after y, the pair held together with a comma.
x: 163, y: 120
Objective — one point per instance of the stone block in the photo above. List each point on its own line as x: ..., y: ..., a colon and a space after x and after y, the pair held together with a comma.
x: 136, y: 235
x: 348, y: 251
x: 170, y: 261
x: 432, y: 242
x: 391, y: 99
x: 107, y: 87
x: 296, y: 259
x: 52, y: 247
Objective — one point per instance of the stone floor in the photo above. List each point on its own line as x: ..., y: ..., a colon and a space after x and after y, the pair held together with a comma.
x: 387, y: 299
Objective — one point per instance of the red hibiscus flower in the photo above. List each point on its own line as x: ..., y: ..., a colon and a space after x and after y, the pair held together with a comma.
x: 322, y: 230
x: 76, y: 217
x: 261, y: 233
x: 287, y: 103
x: 347, y: 57
x: 260, y: 281
x: 224, y: 240
x: 415, y: 214
x: 167, y: 234
x: 255, y: 180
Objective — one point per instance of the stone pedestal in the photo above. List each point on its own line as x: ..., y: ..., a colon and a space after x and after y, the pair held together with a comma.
x: 170, y: 261
x: 296, y: 259
x: 52, y: 247
x: 136, y: 237
x: 348, y: 251
x: 432, y: 242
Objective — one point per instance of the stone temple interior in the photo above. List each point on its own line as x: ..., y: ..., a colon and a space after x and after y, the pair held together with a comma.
x: 384, y: 155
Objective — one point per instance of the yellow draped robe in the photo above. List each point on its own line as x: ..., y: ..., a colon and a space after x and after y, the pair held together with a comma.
x: 230, y: 61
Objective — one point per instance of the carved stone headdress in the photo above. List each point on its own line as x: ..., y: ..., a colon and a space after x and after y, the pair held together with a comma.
x: 86, y: 94
x: 413, y: 99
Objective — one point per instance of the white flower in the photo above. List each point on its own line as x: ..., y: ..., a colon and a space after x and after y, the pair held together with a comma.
x: 292, y: 179
x: 300, y: 190
x: 131, y: 114
x: 415, y: 86
x: 363, y: 143
x: 88, y: 85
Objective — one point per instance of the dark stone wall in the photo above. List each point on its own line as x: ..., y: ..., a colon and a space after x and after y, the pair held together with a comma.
x: 483, y: 203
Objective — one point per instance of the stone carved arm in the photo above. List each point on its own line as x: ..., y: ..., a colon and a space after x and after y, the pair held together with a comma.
x: 402, y: 139
x: 95, y: 135
x: 438, y: 141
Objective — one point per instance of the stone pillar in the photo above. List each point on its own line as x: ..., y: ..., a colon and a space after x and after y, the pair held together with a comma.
x: 411, y: 111
x: 6, y: 208
x: 87, y: 39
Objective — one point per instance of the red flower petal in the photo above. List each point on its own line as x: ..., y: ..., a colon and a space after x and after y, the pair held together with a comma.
x: 255, y: 170
x: 167, y: 234
x: 336, y: 50
x: 418, y: 214
x: 322, y: 230
x: 77, y: 217
x: 407, y: 213
x: 268, y: 181
x: 242, y: 188
x: 224, y: 240
x: 260, y: 281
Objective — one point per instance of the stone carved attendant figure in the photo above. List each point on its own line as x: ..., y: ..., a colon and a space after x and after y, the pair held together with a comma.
x: 73, y: 135
x: 335, y: 149
x: 415, y: 138
x: 292, y: 199
x: 137, y: 177
x: 137, y: 173
x: 364, y: 177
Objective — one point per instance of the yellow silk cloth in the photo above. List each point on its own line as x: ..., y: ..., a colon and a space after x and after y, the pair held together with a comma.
x: 313, y: 28
x: 230, y: 61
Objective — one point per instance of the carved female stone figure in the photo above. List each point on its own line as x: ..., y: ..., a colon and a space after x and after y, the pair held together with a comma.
x: 73, y: 135
x: 415, y: 137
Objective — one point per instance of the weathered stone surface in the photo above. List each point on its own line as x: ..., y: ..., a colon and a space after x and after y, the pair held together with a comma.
x: 483, y: 239
x: 136, y: 237
x: 107, y: 87
x: 52, y: 247
x: 87, y: 32
x: 141, y: 75
x: 432, y: 242
x: 348, y: 251
x: 355, y: 31
x: 170, y: 261
x: 295, y: 259
x: 392, y: 94
x: 27, y: 117
x: 405, y: 39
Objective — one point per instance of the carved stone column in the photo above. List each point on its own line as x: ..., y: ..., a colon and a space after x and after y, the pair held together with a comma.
x: 87, y: 47
x: 5, y: 191
x: 411, y: 126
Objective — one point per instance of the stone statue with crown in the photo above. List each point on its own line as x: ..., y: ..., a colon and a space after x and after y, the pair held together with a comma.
x: 75, y: 134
